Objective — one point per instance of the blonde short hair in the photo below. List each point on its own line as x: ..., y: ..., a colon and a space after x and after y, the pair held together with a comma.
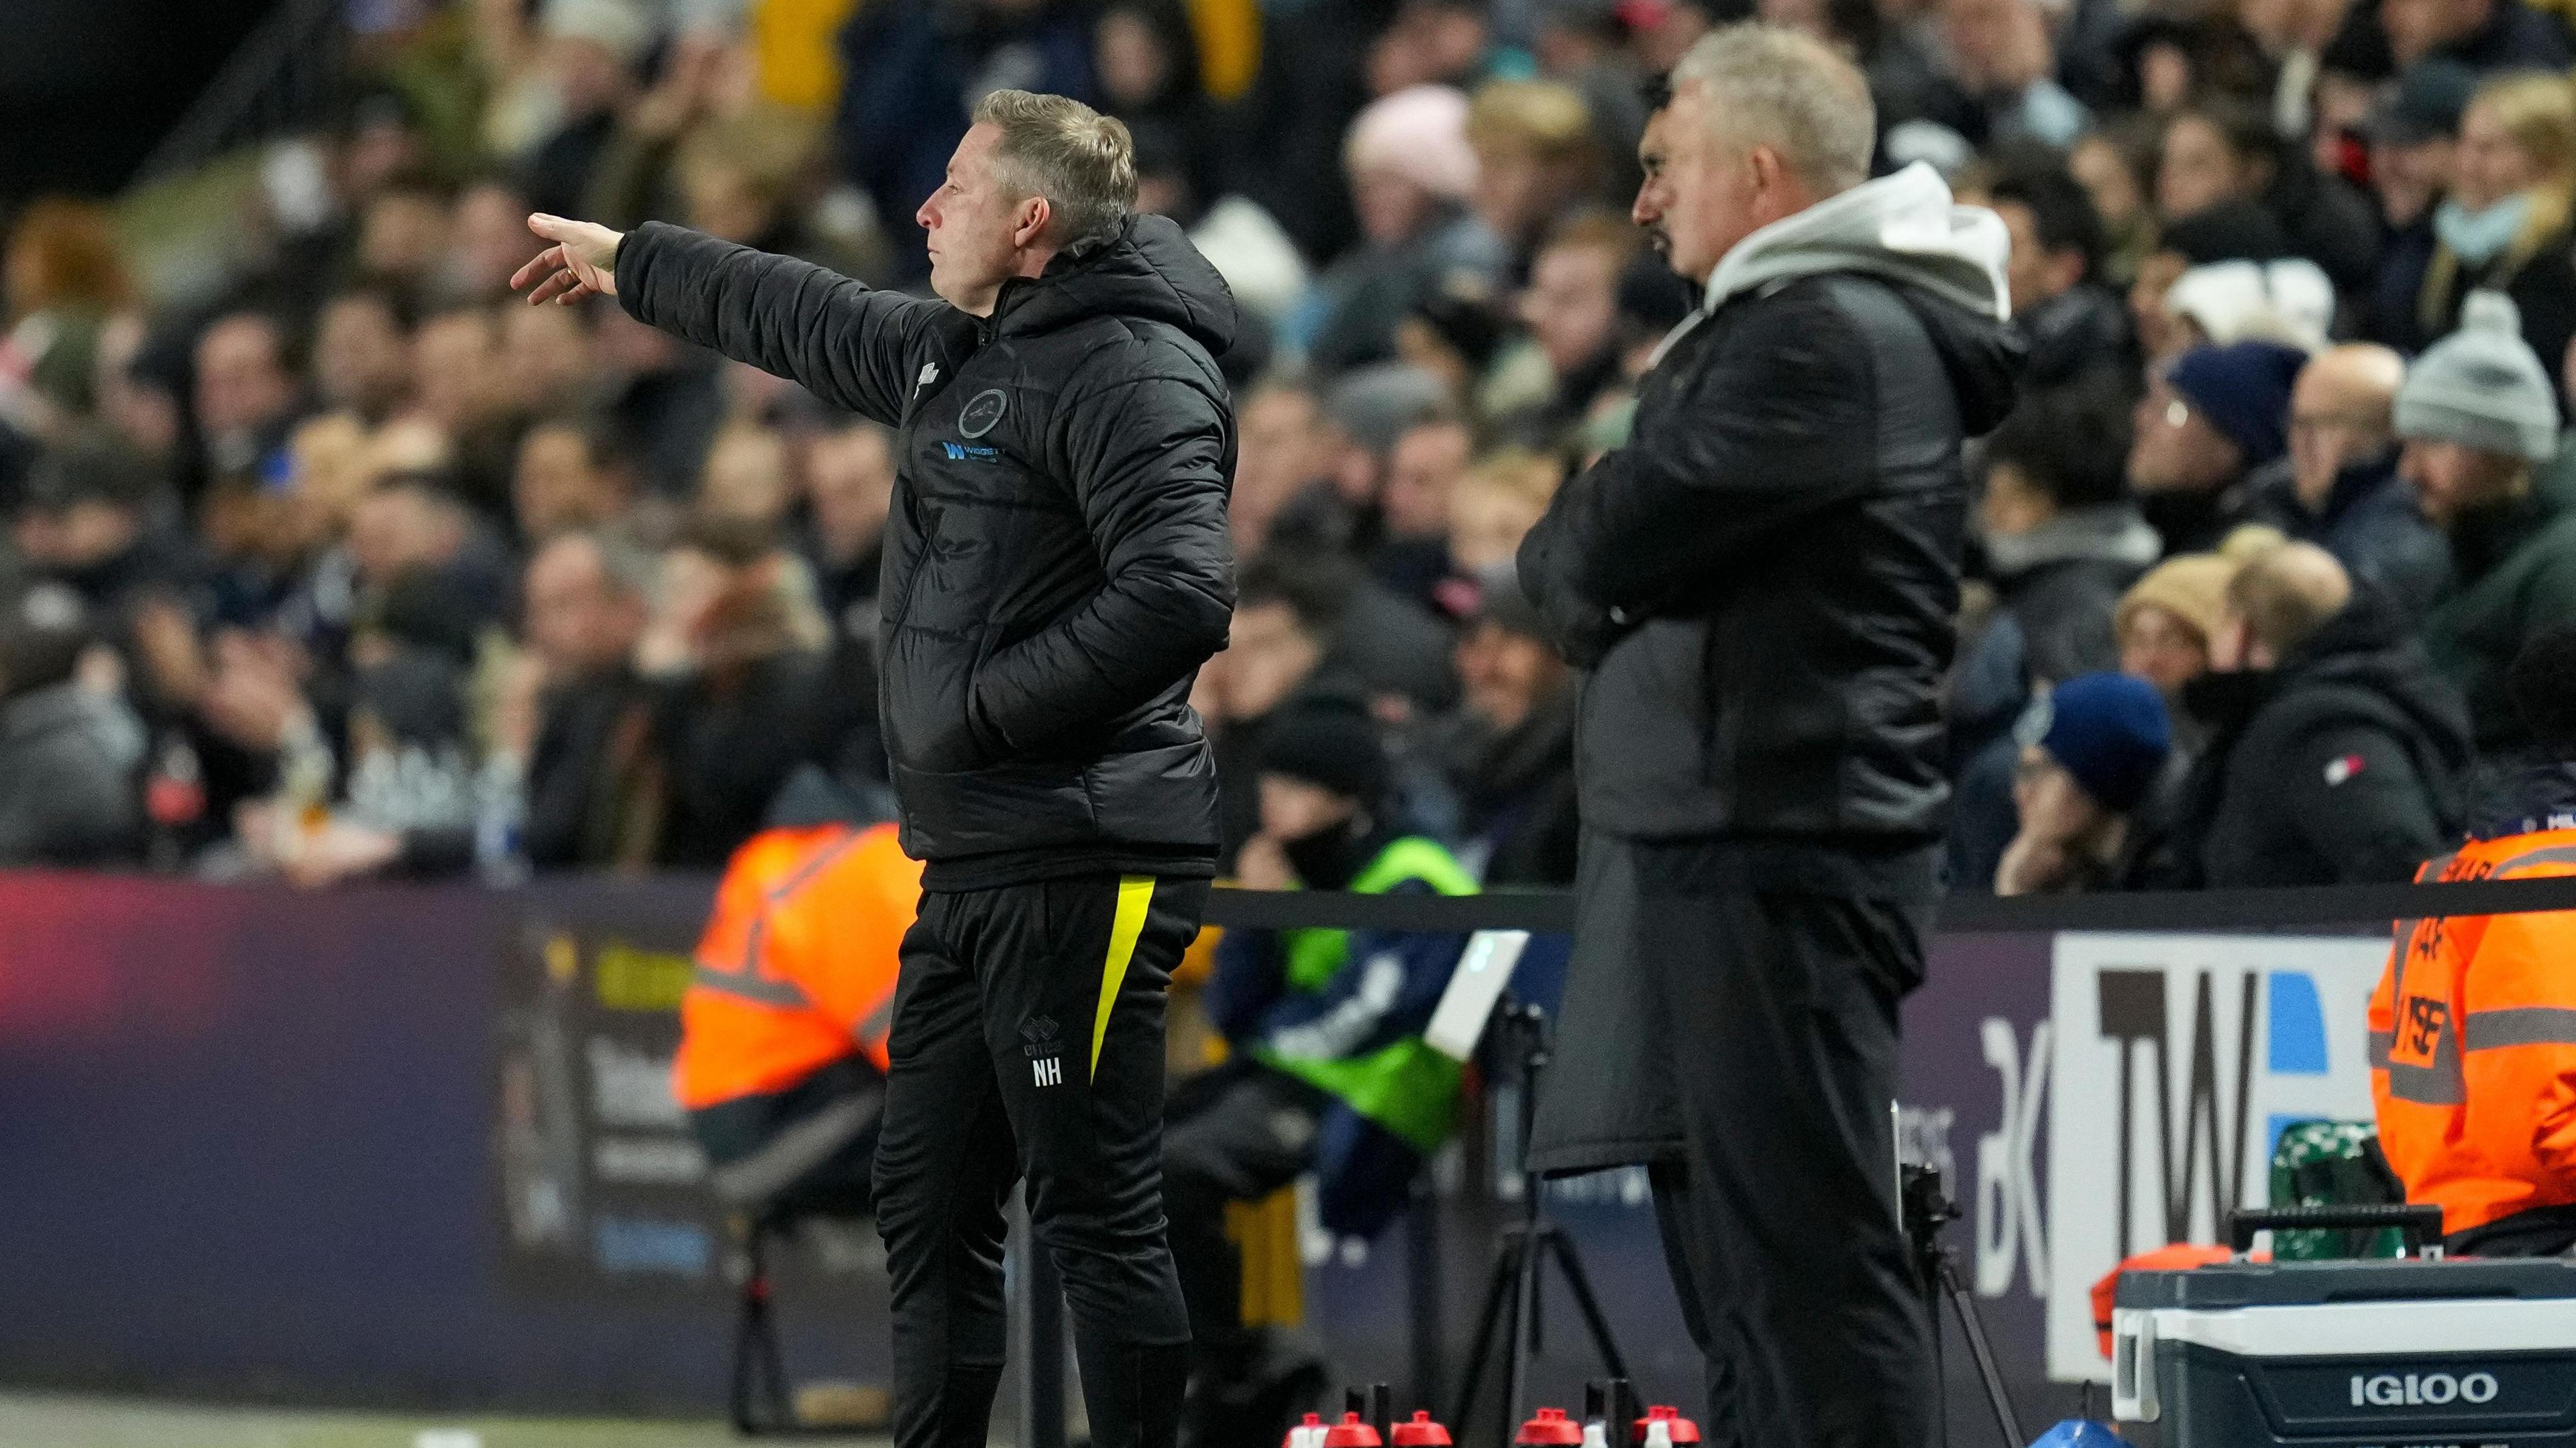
x: 1774, y: 86
x: 1082, y: 162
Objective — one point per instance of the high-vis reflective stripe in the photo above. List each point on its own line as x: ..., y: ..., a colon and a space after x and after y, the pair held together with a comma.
x: 2381, y: 1043
x: 2547, y: 855
x: 2427, y: 1085
x: 2519, y: 1026
x: 785, y: 994
x: 1135, y: 897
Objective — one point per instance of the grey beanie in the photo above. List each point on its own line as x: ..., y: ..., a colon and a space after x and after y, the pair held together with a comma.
x: 2482, y: 386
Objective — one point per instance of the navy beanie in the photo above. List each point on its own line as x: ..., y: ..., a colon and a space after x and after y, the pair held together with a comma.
x: 2244, y: 390
x: 2107, y: 730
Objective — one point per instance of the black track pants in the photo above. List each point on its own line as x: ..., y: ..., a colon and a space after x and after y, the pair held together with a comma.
x: 1028, y: 1038
x: 1780, y: 1217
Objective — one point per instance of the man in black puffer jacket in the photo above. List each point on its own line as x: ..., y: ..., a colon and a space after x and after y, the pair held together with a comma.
x: 1056, y: 570
x: 1763, y: 583
x: 2339, y: 755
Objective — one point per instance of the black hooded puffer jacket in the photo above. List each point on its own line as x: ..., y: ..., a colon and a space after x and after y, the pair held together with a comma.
x: 1056, y: 566
x: 1763, y: 581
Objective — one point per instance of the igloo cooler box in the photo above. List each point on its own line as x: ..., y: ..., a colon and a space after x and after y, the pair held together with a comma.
x: 2415, y: 1352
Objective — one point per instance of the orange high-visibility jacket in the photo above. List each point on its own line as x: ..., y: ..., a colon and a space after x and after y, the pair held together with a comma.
x: 797, y: 966
x: 2473, y: 1045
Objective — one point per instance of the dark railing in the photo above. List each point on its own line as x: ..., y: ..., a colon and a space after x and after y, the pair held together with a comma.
x: 292, y: 73
x: 2178, y: 910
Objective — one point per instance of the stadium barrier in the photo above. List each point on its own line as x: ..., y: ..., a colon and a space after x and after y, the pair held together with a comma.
x: 411, y: 1144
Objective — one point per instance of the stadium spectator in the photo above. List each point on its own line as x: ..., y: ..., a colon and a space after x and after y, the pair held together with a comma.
x: 574, y: 717
x: 2217, y: 152
x: 2167, y: 619
x: 1571, y: 308
x: 1330, y: 1072
x: 2073, y: 327
x: 68, y: 752
x: 2486, y: 35
x: 2092, y: 750
x: 570, y: 475
x: 2062, y: 541
x: 329, y: 446
x: 245, y: 392
x: 2002, y: 60
x: 362, y: 355
x: 1536, y: 161
x: 739, y: 647
x: 2204, y: 425
x: 911, y: 70
x: 2337, y: 753
x: 2504, y: 223
x: 2479, y: 416
x: 2062, y: 538
x: 849, y: 486
x: 1422, y: 473
x: 2413, y: 135
x: 2341, y: 490
x: 1509, y: 750
x: 86, y: 522
x: 1411, y: 171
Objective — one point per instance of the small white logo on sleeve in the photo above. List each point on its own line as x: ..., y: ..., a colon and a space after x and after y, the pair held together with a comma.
x: 1049, y: 1072
x: 2339, y: 770
x: 929, y: 374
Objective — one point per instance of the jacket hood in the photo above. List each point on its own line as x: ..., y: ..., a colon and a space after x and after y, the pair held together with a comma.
x: 2101, y: 533
x: 1903, y: 227
x: 2371, y: 647
x: 1149, y: 272
x: 1946, y: 259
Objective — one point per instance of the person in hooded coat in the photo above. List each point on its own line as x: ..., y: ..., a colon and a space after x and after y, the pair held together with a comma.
x: 1763, y: 583
x: 1057, y: 569
x: 2340, y: 756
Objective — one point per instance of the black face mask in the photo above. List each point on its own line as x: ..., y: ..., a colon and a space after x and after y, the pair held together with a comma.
x: 1329, y: 858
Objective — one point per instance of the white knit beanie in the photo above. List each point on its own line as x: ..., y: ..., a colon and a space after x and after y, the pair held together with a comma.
x: 2482, y: 386
x: 1419, y: 133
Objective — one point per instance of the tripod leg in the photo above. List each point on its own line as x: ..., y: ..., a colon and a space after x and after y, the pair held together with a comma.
x: 1524, y: 1327
x: 1952, y: 1287
x: 1488, y: 1319
x: 1581, y: 1285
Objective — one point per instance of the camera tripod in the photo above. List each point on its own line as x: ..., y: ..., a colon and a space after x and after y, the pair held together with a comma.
x: 1508, y: 1327
x: 1926, y: 1211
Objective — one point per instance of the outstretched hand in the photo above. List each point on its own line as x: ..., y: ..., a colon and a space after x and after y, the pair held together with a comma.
x: 581, y: 263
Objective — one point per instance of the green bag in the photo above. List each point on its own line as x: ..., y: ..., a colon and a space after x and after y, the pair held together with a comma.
x: 2333, y: 1164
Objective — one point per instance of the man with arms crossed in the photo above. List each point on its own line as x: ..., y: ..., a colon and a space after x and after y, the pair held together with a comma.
x: 1056, y: 570
x: 1763, y: 583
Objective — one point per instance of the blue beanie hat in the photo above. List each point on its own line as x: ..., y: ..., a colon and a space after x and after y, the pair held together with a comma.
x: 2107, y: 730
x: 2244, y: 390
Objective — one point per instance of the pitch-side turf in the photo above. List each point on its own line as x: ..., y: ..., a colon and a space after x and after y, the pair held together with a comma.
x: 31, y: 1420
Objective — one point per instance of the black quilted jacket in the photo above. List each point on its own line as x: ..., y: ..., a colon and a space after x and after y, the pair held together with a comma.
x: 1057, y: 565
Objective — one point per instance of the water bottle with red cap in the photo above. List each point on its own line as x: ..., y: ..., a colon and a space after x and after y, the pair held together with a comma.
x: 1421, y: 1432
x: 1550, y: 1425
x: 1664, y: 1426
x: 1353, y: 1431
x: 1308, y: 1434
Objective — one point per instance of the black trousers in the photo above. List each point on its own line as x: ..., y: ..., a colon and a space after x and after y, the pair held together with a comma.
x: 1028, y: 1040
x: 1730, y: 1020
x: 1779, y: 1216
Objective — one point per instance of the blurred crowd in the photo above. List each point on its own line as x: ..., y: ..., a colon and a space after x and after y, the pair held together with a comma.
x: 325, y: 558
